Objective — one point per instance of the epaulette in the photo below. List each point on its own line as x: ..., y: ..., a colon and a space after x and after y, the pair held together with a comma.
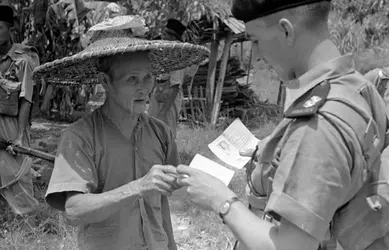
x: 310, y: 102
x: 21, y: 48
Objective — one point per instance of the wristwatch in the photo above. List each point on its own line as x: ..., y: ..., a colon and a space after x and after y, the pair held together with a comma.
x: 226, y: 206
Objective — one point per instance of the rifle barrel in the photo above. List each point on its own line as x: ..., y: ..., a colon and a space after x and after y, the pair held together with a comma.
x: 28, y: 151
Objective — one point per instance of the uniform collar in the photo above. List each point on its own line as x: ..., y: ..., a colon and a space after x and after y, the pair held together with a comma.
x: 332, y: 69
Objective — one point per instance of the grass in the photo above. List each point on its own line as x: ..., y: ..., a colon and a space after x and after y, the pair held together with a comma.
x: 194, y: 228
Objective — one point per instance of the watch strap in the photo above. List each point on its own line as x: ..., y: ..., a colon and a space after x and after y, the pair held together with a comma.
x: 230, y: 201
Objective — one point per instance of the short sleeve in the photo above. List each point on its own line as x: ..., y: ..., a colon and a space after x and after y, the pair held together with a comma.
x: 25, y: 72
x: 313, y: 178
x: 177, y: 77
x: 74, y: 169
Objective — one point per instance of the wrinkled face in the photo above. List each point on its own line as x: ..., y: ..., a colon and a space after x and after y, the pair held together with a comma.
x: 270, y: 42
x: 131, y: 81
x: 4, y: 32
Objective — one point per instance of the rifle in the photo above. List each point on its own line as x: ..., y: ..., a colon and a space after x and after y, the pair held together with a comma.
x: 27, y: 151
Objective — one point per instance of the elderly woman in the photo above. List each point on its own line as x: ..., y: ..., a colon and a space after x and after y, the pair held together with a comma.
x: 115, y: 168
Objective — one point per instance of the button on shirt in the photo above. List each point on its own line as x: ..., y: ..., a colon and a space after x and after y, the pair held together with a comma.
x: 94, y: 157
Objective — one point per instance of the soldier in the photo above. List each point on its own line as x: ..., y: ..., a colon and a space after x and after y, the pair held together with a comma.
x: 166, y: 100
x: 318, y: 174
x: 115, y: 168
x: 17, y: 62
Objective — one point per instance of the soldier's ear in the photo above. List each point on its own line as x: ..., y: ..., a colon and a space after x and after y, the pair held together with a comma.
x: 289, y: 31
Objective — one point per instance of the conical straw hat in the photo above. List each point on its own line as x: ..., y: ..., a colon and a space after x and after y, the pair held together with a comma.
x: 117, y: 36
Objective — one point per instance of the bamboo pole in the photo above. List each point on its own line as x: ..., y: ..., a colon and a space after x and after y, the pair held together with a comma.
x: 220, y: 82
x: 241, y: 52
x: 212, y: 65
x: 249, y: 68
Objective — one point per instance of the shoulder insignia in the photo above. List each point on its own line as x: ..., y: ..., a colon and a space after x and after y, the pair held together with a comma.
x: 310, y: 102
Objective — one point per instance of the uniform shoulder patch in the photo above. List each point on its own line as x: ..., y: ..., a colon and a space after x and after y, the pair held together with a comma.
x: 310, y: 102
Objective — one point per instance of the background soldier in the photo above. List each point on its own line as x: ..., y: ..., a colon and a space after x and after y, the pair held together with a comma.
x: 17, y: 63
x: 166, y: 99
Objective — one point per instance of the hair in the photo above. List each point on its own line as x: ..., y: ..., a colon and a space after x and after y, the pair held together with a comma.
x: 104, y: 64
x: 314, y: 14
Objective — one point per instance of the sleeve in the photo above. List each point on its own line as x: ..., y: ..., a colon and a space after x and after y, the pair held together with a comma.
x: 177, y: 78
x: 74, y: 170
x: 25, y: 72
x: 313, y: 177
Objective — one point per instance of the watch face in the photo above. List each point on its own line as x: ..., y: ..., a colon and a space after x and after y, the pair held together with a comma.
x: 224, y: 208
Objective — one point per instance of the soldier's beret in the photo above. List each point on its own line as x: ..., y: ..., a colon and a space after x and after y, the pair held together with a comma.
x: 247, y: 10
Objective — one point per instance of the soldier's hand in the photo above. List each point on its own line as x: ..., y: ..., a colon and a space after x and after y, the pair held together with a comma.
x: 160, y: 178
x: 10, y: 150
x: 17, y: 142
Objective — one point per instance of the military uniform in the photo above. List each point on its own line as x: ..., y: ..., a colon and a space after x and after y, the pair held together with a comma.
x: 19, y: 64
x: 164, y: 83
x: 312, y: 170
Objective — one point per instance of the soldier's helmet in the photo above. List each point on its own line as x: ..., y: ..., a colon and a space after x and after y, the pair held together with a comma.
x: 6, y: 12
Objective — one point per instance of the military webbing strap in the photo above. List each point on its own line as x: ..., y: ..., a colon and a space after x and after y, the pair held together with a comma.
x: 348, y: 105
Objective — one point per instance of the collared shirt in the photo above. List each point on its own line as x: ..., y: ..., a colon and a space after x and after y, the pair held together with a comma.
x: 22, y: 60
x: 94, y: 157
x: 317, y: 166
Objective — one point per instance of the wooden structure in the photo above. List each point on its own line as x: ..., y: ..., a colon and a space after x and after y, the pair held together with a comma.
x: 213, y: 31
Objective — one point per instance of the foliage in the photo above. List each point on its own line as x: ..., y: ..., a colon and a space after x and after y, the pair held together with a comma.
x: 357, y: 24
x: 58, y: 28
